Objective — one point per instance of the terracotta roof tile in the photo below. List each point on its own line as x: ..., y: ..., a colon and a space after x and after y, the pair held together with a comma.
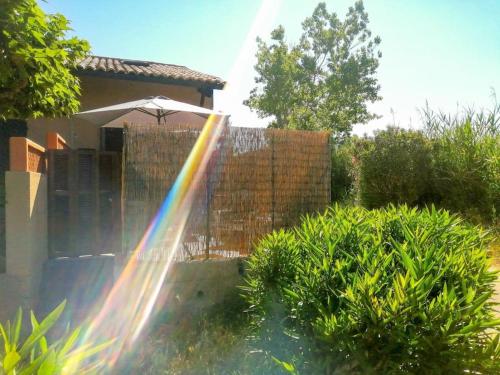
x: 147, y: 69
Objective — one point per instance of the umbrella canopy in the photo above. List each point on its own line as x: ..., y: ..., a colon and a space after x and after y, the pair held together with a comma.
x: 158, y: 107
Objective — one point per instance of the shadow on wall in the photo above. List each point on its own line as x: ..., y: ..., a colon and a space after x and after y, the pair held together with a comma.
x: 190, y: 289
x: 82, y: 281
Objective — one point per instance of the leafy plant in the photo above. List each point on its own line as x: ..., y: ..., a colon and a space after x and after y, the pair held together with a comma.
x: 396, y: 167
x: 466, y: 160
x: 35, y: 355
x: 453, y: 163
x: 36, y: 62
x: 344, y: 173
x: 393, y: 290
x: 323, y: 82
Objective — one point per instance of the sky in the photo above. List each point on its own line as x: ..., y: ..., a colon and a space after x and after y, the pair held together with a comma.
x: 446, y: 52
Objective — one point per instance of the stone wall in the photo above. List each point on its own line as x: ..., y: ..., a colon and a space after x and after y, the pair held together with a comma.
x: 193, y: 287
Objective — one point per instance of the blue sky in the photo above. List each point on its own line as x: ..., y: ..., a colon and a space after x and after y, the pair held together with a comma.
x: 446, y: 51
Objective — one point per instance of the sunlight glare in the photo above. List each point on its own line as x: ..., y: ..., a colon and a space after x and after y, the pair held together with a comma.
x: 129, y: 305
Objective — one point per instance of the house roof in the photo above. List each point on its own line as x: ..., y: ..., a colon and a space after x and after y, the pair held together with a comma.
x: 146, y: 70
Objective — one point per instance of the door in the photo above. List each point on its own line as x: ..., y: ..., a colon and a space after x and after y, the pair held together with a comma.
x: 84, y: 188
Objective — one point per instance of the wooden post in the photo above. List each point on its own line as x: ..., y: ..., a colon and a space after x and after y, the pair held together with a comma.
x: 73, y: 202
x: 207, y: 234
x: 273, y: 189
x: 97, y: 204
x: 50, y: 201
x: 116, y: 204
x: 56, y: 142
x: 329, y: 176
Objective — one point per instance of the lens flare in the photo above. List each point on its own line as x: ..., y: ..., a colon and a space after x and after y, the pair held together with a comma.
x: 130, y: 302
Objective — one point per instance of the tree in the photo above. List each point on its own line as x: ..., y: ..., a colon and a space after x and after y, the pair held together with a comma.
x: 323, y: 82
x: 36, y: 62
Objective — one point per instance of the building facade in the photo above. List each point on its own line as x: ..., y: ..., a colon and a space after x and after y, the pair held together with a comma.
x: 106, y: 81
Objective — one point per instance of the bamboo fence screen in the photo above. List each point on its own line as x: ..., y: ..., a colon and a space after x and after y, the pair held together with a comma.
x: 257, y: 180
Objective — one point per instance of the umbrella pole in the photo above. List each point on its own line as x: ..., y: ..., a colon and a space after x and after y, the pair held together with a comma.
x: 158, y: 116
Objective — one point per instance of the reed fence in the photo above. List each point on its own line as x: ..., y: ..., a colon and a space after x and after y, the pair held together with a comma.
x: 257, y: 180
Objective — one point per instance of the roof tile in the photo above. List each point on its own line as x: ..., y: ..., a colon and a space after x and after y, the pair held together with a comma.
x: 147, y: 69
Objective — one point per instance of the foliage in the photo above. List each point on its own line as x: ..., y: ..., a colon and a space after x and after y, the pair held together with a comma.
x: 36, y: 59
x: 394, y: 290
x: 466, y: 155
x: 323, y: 82
x: 35, y: 355
x: 344, y: 176
x: 396, y: 167
x: 453, y: 163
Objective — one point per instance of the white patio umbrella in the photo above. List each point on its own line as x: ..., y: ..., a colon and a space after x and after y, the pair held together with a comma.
x: 158, y: 107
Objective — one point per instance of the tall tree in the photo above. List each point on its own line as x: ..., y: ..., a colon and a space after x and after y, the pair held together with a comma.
x: 323, y: 82
x: 36, y: 62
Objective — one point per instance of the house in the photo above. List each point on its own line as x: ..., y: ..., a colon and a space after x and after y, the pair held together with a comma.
x: 26, y: 203
x: 106, y: 81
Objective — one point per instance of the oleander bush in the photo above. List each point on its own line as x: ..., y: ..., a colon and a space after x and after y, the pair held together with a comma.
x: 393, y: 290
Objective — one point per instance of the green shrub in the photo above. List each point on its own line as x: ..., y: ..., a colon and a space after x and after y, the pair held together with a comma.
x: 466, y: 155
x: 344, y: 176
x: 396, y: 167
x: 454, y: 163
x: 34, y: 354
x: 394, y: 290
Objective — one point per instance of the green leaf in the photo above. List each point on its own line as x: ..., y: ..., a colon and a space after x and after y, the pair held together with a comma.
x: 42, y: 328
x: 408, y: 262
x: 76, y: 357
x: 288, y: 367
x: 17, y: 327
x: 70, y: 342
x: 492, y: 323
x: 291, y: 293
x: 10, y: 361
x: 48, y: 366
x: 5, y: 339
x: 34, y: 365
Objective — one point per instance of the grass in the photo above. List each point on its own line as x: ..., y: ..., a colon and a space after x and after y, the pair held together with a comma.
x: 202, y: 347
x: 215, y: 343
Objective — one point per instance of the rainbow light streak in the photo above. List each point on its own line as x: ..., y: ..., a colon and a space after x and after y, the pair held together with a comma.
x: 129, y: 304
x: 131, y: 300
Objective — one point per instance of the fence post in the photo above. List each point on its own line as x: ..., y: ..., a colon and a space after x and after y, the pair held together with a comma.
x: 207, y: 238
x: 56, y: 142
x: 273, y: 189
x: 329, y: 166
x: 73, y: 200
